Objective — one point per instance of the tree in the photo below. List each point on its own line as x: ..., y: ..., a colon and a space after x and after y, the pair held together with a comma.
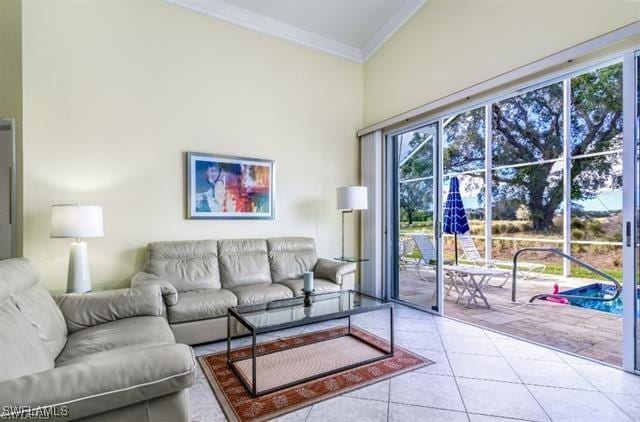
x: 529, y: 128
x: 417, y: 163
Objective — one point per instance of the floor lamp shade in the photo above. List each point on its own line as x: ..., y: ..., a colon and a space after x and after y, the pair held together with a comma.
x: 352, y: 198
x: 77, y: 221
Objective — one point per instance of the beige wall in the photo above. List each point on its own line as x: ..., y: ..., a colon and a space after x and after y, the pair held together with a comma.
x: 449, y: 45
x: 11, y: 85
x: 116, y: 92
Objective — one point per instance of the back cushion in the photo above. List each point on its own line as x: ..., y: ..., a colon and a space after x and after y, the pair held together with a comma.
x: 188, y: 265
x: 39, y: 308
x: 23, y: 352
x: 290, y: 257
x: 243, y: 262
x: 34, y: 302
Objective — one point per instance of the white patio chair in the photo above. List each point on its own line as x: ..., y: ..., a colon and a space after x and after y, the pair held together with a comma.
x: 525, y: 269
x: 428, y: 252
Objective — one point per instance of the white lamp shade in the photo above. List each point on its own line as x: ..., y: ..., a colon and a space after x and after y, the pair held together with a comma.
x: 352, y: 198
x: 76, y: 221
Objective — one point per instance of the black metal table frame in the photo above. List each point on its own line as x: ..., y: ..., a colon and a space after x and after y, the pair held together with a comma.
x: 254, y: 331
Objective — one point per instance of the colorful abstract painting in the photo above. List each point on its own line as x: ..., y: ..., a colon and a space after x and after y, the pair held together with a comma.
x: 223, y: 187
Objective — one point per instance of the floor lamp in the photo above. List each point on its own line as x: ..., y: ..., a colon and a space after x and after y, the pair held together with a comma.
x: 350, y: 198
x: 77, y: 221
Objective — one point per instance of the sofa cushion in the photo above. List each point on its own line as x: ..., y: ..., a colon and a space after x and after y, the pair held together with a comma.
x: 188, y: 265
x: 243, y: 262
x: 261, y: 293
x: 290, y: 257
x: 19, y: 274
x: 319, y: 285
x: 95, y: 386
x: 115, y: 334
x: 201, y: 304
x: 39, y: 308
x: 22, y: 350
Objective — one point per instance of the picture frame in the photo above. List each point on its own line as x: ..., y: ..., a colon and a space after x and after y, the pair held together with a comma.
x: 223, y: 187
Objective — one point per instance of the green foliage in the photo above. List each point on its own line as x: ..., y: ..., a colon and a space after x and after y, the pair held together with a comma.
x: 528, y: 128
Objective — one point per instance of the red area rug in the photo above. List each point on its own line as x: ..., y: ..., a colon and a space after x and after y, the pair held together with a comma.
x: 238, y: 405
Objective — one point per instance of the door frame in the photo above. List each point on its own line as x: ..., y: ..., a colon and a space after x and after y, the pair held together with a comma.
x: 12, y: 181
x: 391, y: 217
x: 630, y: 211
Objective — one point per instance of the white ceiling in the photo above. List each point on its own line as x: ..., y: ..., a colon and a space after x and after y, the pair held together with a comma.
x: 353, y: 29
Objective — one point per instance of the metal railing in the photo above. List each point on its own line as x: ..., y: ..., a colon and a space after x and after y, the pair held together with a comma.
x: 558, y: 296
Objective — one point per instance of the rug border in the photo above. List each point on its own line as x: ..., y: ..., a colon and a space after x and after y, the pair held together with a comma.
x: 232, y: 416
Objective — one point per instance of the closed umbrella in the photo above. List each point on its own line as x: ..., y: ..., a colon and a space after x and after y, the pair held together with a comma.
x: 455, y: 217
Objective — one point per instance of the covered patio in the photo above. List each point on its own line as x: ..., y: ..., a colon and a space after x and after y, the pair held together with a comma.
x: 586, y: 332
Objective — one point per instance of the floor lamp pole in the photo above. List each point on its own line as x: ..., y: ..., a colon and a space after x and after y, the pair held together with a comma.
x: 343, y: 213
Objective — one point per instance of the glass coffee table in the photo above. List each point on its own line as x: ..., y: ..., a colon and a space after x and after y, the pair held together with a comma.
x: 263, y: 371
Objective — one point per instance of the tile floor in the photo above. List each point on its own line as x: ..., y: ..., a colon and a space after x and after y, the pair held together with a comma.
x: 478, y: 376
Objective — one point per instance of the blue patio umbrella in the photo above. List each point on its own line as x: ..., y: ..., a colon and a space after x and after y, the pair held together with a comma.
x: 455, y: 217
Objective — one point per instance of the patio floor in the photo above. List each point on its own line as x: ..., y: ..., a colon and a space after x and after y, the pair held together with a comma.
x: 590, y: 333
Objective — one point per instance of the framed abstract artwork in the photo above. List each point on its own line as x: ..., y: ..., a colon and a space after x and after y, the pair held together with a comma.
x: 224, y: 187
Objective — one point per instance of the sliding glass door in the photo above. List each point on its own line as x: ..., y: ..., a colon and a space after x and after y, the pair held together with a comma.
x: 412, y: 236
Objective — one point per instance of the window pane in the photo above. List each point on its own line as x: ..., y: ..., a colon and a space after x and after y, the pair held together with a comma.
x: 527, y: 201
x: 596, y: 111
x: 505, y: 249
x: 416, y: 153
x: 416, y: 205
x: 528, y: 128
x: 463, y: 142
x: 472, y: 190
x: 596, y: 193
x: 607, y: 258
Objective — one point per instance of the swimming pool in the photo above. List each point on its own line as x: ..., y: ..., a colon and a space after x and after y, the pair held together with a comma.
x: 598, y: 290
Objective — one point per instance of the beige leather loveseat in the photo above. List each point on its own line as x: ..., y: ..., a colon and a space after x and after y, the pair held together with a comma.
x: 200, y: 280
x: 104, y: 356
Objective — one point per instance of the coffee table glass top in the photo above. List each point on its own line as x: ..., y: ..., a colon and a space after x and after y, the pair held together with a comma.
x: 291, y: 312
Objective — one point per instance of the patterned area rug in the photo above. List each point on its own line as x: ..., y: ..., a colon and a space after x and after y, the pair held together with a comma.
x: 238, y: 405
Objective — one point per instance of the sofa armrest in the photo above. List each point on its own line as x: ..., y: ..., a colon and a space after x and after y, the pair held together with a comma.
x: 82, y: 310
x: 169, y: 292
x: 333, y: 270
x: 99, y: 385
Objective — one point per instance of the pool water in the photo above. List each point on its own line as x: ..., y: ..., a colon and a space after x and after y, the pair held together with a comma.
x: 598, y: 290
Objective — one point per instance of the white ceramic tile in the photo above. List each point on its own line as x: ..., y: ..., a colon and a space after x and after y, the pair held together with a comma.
x: 469, y: 344
x: 426, y: 390
x: 405, y: 412
x: 378, y: 391
x: 610, y: 380
x: 577, y: 406
x: 500, y: 399
x: 550, y: 374
x: 348, y: 409
x: 417, y: 326
x: 449, y: 326
x: 484, y: 418
x: 411, y: 340
x: 441, y: 362
x: 493, y: 368
x: 510, y: 347
x: 629, y: 404
x: 299, y: 415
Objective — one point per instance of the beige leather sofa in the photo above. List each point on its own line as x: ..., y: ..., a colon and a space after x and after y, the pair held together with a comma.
x: 104, y: 356
x: 200, y: 280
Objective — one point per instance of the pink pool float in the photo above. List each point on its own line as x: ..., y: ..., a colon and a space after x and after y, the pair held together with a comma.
x: 560, y: 300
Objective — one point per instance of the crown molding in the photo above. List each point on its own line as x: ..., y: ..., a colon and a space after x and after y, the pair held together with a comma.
x: 402, y: 15
x: 236, y: 15
x: 228, y: 12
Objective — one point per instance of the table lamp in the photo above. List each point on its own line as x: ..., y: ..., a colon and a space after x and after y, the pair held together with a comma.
x: 351, y: 198
x: 77, y: 221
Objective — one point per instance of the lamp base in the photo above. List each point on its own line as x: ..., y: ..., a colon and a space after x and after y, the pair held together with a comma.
x: 79, y: 276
